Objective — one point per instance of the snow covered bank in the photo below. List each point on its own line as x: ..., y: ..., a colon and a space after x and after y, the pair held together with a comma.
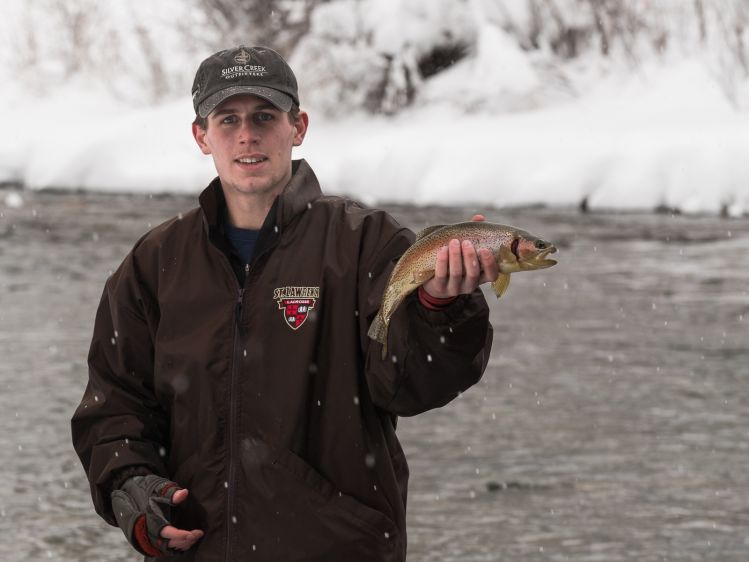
x: 667, y: 137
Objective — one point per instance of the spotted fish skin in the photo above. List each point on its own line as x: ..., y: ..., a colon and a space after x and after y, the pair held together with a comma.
x: 513, y: 249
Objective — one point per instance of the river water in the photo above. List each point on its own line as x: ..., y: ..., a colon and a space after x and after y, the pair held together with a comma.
x: 611, y: 425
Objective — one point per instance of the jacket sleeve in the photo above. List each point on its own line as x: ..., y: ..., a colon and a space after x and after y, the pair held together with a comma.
x: 119, y: 427
x: 433, y: 356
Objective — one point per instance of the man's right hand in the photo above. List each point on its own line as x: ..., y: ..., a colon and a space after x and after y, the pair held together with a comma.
x: 142, y: 507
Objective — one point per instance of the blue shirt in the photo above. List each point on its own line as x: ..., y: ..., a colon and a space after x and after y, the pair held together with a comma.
x: 242, y: 240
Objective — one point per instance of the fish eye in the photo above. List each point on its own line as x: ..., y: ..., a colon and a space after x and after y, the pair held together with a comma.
x: 541, y: 244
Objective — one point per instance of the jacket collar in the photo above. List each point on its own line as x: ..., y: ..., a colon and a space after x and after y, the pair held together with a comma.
x: 302, y: 189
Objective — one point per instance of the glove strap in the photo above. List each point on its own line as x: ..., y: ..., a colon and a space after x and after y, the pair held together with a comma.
x: 167, y: 489
x: 140, y: 533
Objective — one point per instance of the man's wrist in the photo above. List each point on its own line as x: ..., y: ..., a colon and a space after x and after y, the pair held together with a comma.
x: 140, y: 534
x: 434, y: 303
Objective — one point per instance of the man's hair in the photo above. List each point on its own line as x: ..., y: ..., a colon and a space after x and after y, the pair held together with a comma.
x: 293, y: 115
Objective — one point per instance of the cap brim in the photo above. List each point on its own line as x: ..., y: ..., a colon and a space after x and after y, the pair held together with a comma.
x: 280, y: 100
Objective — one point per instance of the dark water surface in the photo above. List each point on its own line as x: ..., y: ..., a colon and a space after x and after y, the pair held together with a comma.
x: 611, y: 425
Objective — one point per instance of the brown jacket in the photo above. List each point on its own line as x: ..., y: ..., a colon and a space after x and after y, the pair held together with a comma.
x: 268, y: 401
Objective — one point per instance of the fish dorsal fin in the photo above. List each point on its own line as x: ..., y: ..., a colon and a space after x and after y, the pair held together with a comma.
x: 428, y: 230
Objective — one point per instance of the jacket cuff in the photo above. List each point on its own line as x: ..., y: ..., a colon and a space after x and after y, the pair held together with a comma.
x: 433, y: 303
x: 460, y: 309
x: 127, y: 472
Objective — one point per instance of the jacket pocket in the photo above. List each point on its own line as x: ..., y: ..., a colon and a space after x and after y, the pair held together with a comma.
x: 340, y: 509
x: 191, y: 514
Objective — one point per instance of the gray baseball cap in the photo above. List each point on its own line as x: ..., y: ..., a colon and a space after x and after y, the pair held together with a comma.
x: 259, y: 71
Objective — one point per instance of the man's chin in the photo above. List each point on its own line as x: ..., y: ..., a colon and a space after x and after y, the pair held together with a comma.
x: 252, y: 188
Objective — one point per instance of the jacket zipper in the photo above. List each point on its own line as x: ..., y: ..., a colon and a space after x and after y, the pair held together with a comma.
x: 233, y: 399
x: 232, y: 426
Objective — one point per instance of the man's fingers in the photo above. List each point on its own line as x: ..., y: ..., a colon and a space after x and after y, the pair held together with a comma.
x: 180, y: 539
x: 471, y: 267
x: 179, y: 496
x: 182, y: 545
x: 171, y: 532
x: 478, y: 218
x: 490, y: 269
x: 440, y: 267
x: 437, y: 285
x: 460, y: 268
x: 456, y: 268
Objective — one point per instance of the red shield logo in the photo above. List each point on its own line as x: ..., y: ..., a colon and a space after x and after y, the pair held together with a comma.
x: 296, y: 311
x: 296, y: 303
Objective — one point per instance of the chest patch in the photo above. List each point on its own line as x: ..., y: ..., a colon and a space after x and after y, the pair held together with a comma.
x: 296, y: 303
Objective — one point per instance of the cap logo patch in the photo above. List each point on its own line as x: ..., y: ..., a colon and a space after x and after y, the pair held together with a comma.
x: 296, y: 303
x: 242, y: 57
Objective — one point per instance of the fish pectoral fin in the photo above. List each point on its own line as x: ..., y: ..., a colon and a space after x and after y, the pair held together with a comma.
x: 501, y: 284
x: 428, y: 230
x: 421, y: 277
x: 506, y: 255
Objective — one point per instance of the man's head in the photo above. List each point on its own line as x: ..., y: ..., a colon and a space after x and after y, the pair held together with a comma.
x: 259, y: 71
x: 248, y: 119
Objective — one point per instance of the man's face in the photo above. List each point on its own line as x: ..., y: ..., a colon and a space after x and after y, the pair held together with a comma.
x: 251, y: 141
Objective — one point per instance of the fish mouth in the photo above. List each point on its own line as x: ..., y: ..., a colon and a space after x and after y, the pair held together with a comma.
x: 539, y: 259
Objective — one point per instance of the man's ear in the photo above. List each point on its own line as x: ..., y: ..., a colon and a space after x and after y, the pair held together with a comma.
x: 301, y: 128
x: 198, y: 134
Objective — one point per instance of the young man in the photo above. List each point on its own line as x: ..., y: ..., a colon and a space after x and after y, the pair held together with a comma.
x: 236, y: 409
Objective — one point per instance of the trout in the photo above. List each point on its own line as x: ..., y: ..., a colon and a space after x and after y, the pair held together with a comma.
x: 514, y: 249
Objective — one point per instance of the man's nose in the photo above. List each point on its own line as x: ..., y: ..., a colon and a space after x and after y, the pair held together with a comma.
x: 248, y: 132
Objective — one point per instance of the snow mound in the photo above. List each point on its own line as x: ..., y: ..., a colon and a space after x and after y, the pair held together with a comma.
x: 499, y: 75
x: 665, y: 138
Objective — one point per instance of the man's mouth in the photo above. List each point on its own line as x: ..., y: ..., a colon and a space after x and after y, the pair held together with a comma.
x: 251, y: 160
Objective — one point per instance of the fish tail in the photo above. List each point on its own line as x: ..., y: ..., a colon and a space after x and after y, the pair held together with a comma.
x: 394, y: 295
x: 378, y: 330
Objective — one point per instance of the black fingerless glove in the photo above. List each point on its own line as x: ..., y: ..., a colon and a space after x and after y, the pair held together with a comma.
x: 142, y: 507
